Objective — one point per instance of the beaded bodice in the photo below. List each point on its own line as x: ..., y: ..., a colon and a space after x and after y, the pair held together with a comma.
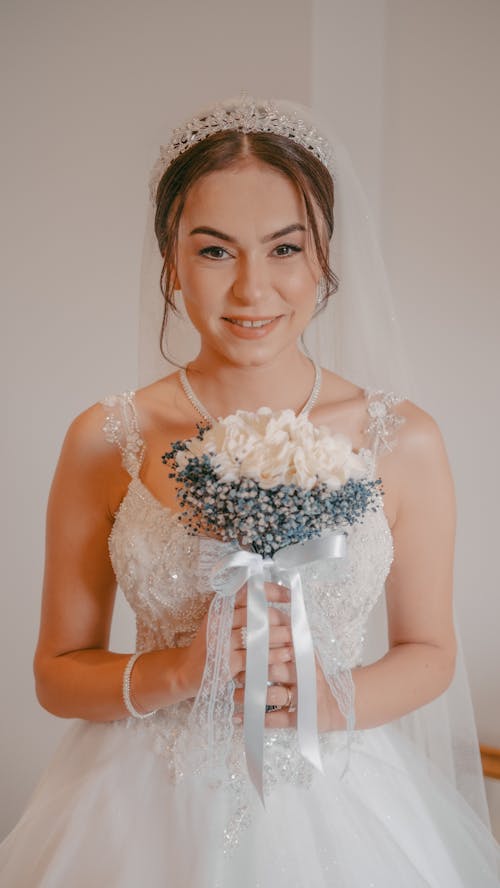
x: 165, y: 574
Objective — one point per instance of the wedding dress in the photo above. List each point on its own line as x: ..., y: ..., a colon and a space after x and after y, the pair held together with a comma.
x: 123, y: 804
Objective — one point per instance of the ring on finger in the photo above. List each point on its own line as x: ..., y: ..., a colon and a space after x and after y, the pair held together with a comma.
x: 289, y: 706
x: 243, y: 634
x: 273, y: 707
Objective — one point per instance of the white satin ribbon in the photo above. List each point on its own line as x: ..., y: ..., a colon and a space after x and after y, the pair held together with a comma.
x: 284, y: 569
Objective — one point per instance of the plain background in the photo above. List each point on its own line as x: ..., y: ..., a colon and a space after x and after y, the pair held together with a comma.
x: 90, y: 91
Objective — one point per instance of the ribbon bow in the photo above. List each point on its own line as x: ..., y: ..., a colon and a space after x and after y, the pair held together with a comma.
x: 284, y: 569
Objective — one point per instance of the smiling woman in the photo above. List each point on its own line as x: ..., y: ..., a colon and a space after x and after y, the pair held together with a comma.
x: 244, y: 742
x: 257, y: 278
x: 280, y: 173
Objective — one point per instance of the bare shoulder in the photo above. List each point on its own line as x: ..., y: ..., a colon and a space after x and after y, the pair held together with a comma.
x: 418, y: 436
x: 86, y: 436
x: 90, y: 474
x: 94, y: 434
x: 416, y: 469
x: 348, y: 408
x: 90, y: 467
x: 413, y: 464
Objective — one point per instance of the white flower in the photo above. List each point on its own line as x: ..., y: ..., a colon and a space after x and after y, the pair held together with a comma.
x: 278, y: 448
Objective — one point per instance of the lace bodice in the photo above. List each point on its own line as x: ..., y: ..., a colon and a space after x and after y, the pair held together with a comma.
x: 164, y: 573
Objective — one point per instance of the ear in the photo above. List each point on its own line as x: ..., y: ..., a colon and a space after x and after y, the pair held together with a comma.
x: 177, y: 283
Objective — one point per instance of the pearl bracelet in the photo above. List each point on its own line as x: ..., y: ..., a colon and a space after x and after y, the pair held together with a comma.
x: 126, y: 688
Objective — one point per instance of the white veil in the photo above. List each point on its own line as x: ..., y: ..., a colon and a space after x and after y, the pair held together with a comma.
x: 356, y: 335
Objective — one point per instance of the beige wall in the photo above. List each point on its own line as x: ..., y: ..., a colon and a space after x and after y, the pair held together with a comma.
x: 93, y: 89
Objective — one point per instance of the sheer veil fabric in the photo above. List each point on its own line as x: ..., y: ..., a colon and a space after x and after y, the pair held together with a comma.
x: 356, y: 334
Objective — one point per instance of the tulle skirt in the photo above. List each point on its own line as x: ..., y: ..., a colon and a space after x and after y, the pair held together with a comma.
x: 105, y: 815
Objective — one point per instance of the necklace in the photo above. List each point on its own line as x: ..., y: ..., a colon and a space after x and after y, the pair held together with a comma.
x: 201, y: 409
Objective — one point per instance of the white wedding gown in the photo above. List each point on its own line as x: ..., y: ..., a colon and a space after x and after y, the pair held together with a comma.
x: 122, y: 805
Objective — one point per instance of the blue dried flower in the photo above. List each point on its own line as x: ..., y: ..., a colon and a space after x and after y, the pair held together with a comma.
x: 264, y: 519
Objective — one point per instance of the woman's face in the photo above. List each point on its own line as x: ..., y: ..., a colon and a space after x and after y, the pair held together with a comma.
x: 245, y: 255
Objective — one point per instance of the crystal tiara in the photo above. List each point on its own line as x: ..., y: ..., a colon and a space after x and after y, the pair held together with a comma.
x: 246, y: 115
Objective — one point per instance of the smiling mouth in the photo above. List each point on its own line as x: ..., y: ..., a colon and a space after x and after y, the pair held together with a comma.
x: 244, y: 323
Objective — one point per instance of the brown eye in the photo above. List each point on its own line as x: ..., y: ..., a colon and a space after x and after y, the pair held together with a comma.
x: 290, y: 248
x: 209, y: 251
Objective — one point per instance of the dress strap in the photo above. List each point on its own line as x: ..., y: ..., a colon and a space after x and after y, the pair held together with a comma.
x: 383, y: 421
x: 121, y: 428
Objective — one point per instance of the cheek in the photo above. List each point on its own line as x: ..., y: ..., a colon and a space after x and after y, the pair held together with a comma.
x: 300, y: 290
x: 199, y: 316
x: 197, y: 277
x: 298, y: 273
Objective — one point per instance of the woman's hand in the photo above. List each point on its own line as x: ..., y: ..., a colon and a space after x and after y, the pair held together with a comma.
x: 194, y: 656
x: 282, y: 675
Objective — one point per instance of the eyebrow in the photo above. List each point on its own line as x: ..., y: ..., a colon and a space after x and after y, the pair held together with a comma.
x: 204, y: 229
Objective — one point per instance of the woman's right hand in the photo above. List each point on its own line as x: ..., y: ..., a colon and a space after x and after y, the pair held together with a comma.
x: 193, y: 657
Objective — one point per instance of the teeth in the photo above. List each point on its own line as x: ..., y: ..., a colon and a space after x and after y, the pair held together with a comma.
x: 250, y: 323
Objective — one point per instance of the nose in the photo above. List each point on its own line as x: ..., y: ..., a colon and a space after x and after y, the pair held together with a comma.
x: 250, y: 284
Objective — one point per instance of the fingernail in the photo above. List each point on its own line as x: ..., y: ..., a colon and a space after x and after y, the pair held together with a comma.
x: 237, y: 719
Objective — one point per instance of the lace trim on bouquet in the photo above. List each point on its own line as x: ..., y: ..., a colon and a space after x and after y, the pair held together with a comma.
x: 342, y: 687
x: 211, y: 719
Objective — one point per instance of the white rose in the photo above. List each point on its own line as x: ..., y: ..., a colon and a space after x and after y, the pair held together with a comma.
x: 269, y: 460
x: 238, y: 442
x: 278, y: 448
x: 304, y: 474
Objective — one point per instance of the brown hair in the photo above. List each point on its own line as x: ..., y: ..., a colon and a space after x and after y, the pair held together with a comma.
x: 221, y: 151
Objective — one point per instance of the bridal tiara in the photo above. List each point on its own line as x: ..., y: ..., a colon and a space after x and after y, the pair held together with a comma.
x: 246, y: 115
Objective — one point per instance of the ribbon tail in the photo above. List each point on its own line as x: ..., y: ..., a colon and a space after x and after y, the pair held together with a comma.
x: 307, y: 706
x: 257, y: 661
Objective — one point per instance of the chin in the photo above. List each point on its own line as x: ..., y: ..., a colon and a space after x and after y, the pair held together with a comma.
x: 252, y: 356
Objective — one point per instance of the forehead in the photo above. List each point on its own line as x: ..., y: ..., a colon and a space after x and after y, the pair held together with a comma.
x: 251, y: 190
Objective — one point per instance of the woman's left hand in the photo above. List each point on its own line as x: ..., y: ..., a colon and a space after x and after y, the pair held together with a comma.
x: 283, y: 693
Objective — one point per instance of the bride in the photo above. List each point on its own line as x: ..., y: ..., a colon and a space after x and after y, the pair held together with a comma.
x: 172, y: 773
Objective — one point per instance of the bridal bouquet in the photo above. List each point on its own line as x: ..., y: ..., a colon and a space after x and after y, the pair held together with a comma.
x: 269, y: 480
x: 284, y: 490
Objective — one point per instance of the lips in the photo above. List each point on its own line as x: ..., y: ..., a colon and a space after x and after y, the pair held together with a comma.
x: 251, y: 328
x: 250, y: 323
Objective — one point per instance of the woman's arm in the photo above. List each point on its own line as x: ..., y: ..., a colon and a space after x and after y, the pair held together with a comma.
x: 76, y: 676
x: 420, y: 663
